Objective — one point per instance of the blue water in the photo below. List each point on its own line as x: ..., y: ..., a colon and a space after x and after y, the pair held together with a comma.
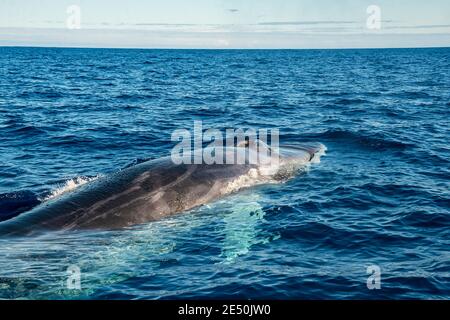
x: 381, y: 195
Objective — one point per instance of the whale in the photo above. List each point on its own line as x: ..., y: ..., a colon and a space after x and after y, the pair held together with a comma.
x: 157, y: 189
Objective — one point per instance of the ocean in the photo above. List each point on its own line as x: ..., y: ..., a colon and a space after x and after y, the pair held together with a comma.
x: 379, y: 200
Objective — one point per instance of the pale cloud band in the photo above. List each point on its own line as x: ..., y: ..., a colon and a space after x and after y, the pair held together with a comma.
x: 214, y: 40
x: 225, y: 24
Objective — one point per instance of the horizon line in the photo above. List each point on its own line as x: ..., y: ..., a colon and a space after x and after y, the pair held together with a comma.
x: 218, y: 49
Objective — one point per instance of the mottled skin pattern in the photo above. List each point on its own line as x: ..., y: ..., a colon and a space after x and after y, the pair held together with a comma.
x: 146, y: 192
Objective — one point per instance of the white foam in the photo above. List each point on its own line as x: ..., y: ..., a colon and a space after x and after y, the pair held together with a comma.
x: 252, y: 178
x: 318, y: 154
x: 67, y: 186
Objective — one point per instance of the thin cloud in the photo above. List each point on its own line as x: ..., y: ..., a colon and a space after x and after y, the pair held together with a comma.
x: 301, y: 23
x: 426, y: 26
x: 166, y: 24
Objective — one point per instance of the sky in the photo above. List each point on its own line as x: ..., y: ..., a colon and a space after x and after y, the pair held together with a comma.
x: 225, y: 23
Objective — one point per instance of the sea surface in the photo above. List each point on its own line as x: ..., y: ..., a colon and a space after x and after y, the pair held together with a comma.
x: 380, y: 198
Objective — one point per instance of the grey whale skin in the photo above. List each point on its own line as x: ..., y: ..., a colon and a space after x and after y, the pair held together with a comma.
x: 147, y: 192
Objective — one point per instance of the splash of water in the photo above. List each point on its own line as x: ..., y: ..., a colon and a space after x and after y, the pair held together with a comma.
x: 67, y: 186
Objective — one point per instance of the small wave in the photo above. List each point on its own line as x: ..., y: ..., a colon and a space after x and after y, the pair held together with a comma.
x: 28, y: 130
x: 69, y: 185
x: 46, y: 94
x: 374, y: 141
x: 105, y: 67
x: 350, y: 101
x: 425, y: 219
x: 412, y: 95
x: 237, y: 66
x: 71, y: 140
x: 129, y: 97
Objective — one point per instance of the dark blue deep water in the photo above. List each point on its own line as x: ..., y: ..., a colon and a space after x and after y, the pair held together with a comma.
x: 381, y: 195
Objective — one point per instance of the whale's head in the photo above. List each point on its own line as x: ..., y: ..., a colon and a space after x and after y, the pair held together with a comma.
x: 281, y: 163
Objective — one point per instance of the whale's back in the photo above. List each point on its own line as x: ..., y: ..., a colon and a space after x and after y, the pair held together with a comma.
x: 147, y: 192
